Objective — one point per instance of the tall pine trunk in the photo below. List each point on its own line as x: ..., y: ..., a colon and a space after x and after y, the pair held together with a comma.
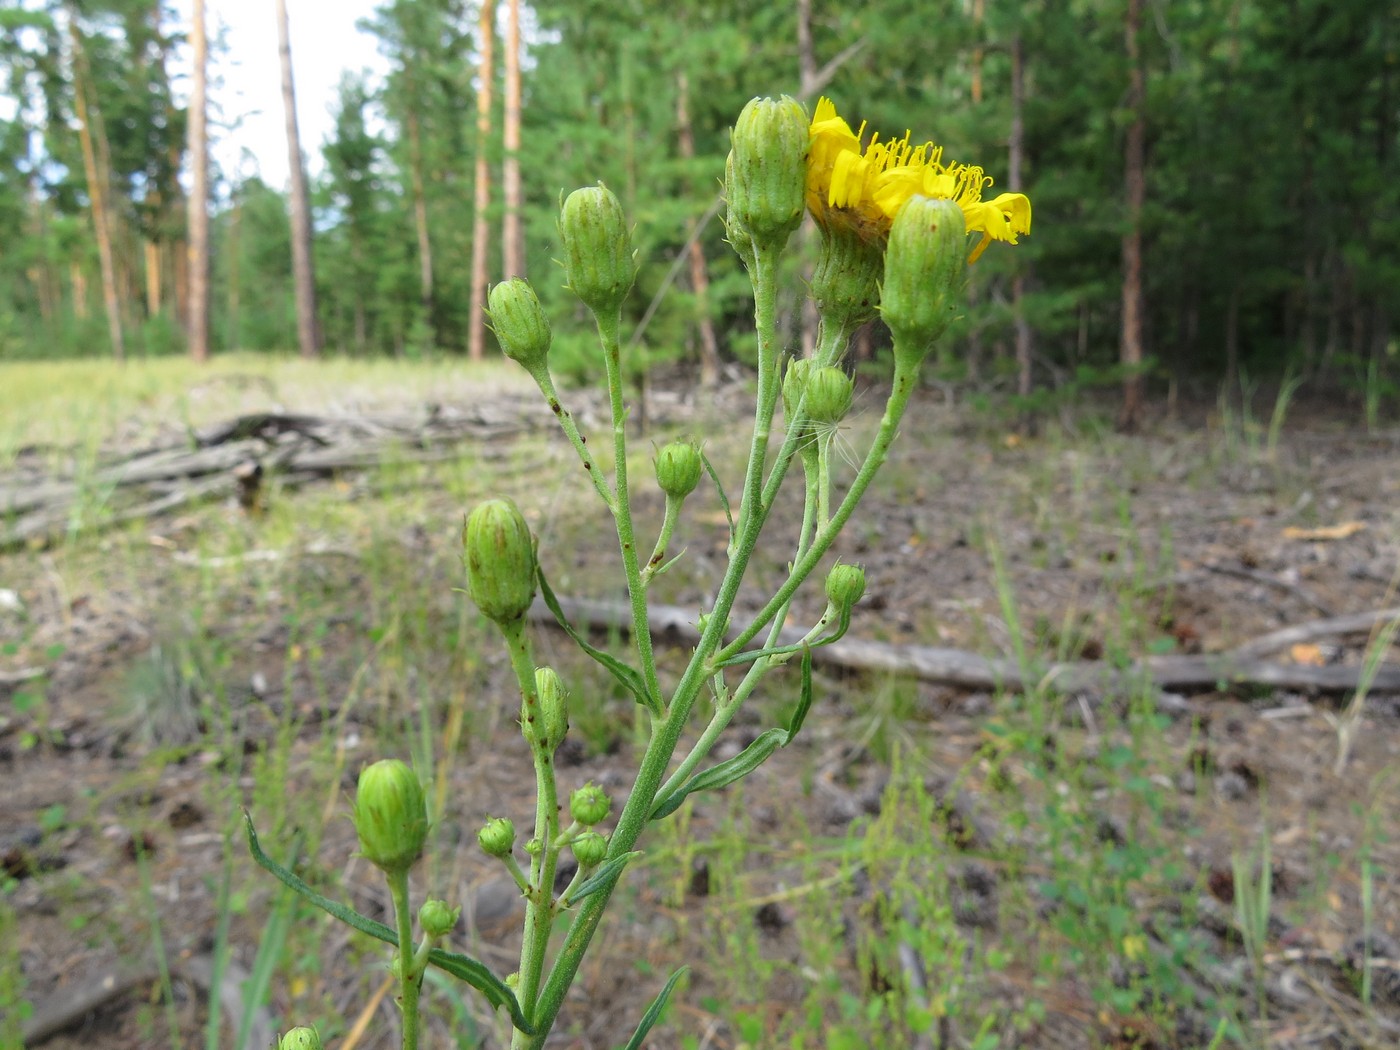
x: 512, y: 236
x: 198, y: 250
x: 303, y: 264
x: 481, y: 202
x: 97, y: 192
x: 1135, y: 194
x: 420, y: 220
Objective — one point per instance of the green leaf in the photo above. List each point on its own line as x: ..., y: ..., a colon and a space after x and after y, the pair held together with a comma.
x: 653, y: 1013
x: 600, y: 878
x: 724, y: 774
x: 719, y: 488
x: 463, y: 967
x: 804, y: 700
x: 628, y: 677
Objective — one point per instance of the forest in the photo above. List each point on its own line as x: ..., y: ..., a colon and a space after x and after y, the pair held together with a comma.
x: 1215, y: 182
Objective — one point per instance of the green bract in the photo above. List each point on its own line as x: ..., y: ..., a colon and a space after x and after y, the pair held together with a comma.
x: 925, y: 267
x: 597, y: 248
x: 520, y: 323
x: 678, y: 468
x: 766, y: 190
x: 300, y: 1039
x: 829, y: 392
x: 497, y: 837
x: 500, y: 558
x: 845, y: 584
x: 589, y: 805
x: 391, y: 815
x: 589, y: 849
x: 436, y: 918
x: 554, y: 708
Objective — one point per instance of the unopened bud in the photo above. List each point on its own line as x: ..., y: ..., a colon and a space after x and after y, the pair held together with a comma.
x: 589, y: 805
x: 925, y: 266
x: 766, y: 192
x: 300, y: 1039
x: 554, y: 708
x: 437, y: 919
x: 597, y: 248
x: 829, y: 392
x: 497, y: 837
x: 519, y: 322
x: 391, y: 815
x: 795, y: 384
x: 589, y: 849
x: 845, y: 584
x: 678, y: 468
x: 500, y: 559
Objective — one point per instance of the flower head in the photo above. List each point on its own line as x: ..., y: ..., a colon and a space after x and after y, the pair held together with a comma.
x: 862, y: 189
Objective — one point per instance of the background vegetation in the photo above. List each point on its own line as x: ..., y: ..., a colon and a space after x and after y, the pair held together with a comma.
x: 1266, y: 145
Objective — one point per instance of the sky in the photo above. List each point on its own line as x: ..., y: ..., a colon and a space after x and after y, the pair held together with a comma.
x: 245, y: 83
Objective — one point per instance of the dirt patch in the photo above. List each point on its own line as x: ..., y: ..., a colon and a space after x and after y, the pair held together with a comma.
x: 174, y: 694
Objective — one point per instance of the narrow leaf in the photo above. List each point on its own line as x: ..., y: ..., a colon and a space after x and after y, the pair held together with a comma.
x: 626, y: 676
x: 804, y: 700
x: 599, y: 878
x: 719, y: 488
x: 462, y: 967
x: 653, y: 1013
x: 724, y: 774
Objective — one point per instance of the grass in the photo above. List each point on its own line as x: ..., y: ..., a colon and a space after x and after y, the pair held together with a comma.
x: 1023, y: 875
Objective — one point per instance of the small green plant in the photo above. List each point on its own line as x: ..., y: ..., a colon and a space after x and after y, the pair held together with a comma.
x: 1253, y: 882
x: 894, y: 220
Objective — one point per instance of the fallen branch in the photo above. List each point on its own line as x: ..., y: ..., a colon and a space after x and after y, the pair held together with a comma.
x: 1238, y: 667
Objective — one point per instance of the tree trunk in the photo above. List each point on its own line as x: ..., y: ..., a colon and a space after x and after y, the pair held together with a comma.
x: 97, y: 194
x: 420, y: 219
x: 699, y: 272
x: 303, y: 264
x: 486, y: 31
x: 512, y: 237
x: 1135, y: 193
x: 1025, y: 335
x: 233, y: 337
x: 198, y: 251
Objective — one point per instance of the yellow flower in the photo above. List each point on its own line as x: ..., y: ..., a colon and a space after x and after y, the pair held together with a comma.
x: 862, y: 190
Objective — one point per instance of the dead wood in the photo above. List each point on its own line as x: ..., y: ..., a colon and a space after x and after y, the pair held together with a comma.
x: 1242, y: 666
x: 191, y: 467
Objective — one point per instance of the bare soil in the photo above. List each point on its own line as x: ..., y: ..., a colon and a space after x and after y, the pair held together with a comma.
x: 1178, y: 540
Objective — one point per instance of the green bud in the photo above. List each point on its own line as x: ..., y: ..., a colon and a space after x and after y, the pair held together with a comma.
x: 589, y: 805
x: 795, y: 384
x: 925, y: 266
x: 500, y: 558
x: 300, y: 1039
x: 519, y: 323
x: 739, y: 237
x: 598, y: 258
x: 589, y: 849
x: 846, y: 279
x: 829, y: 392
x: 845, y: 584
x: 497, y: 837
x: 391, y: 815
x: 437, y: 919
x: 678, y: 468
x: 766, y: 192
x: 554, y: 709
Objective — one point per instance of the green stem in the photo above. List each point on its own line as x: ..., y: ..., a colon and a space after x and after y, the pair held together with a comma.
x: 545, y: 382
x: 539, y: 903
x: 666, y: 732
x: 905, y: 378
x: 608, y: 325
x: 663, y: 539
x: 410, y: 978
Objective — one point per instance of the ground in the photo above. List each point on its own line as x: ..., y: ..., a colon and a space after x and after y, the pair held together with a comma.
x: 926, y: 866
